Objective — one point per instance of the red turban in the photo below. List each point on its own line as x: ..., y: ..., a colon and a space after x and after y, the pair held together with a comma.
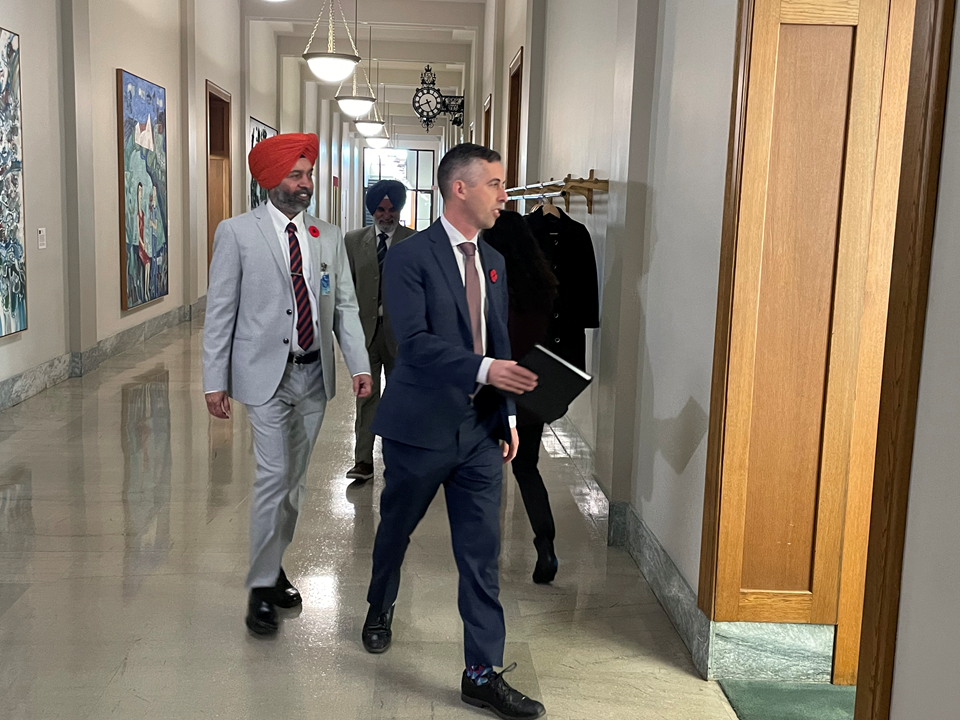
x: 272, y: 159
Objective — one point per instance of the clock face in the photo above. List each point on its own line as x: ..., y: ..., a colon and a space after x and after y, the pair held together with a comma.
x: 428, y: 102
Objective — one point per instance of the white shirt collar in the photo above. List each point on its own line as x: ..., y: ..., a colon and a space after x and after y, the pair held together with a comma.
x: 281, y: 220
x: 456, y: 237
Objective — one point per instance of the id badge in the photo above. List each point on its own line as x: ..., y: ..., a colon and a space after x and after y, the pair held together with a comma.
x: 325, y: 284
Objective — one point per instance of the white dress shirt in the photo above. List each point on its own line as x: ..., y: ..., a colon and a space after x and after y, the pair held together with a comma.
x: 281, y: 221
x: 456, y: 238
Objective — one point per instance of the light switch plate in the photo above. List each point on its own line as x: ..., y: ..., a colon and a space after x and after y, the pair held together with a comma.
x: 42, y: 238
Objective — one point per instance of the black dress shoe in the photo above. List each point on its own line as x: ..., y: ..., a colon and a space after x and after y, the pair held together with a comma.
x: 361, y: 472
x: 496, y: 695
x: 261, y: 614
x: 284, y: 594
x: 546, y: 568
x: 376, y: 631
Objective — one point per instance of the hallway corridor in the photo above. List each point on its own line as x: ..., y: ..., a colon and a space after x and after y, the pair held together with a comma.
x: 123, y: 547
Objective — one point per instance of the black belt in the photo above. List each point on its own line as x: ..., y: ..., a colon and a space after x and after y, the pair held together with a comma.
x: 305, y: 359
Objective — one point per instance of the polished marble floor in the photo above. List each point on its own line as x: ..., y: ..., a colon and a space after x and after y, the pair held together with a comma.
x: 123, y: 547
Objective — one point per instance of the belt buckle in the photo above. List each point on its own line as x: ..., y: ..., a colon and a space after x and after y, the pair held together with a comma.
x: 296, y: 360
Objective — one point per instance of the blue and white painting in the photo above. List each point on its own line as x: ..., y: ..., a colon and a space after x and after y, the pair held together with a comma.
x: 143, y: 210
x: 13, y: 270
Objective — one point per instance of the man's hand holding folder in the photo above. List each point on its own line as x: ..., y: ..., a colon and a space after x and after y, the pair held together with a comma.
x: 511, y: 377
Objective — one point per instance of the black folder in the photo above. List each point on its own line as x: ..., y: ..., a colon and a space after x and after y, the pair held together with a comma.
x: 558, y: 385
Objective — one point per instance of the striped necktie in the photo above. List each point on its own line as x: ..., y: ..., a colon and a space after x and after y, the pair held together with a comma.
x: 381, y: 256
x: 304, y: 314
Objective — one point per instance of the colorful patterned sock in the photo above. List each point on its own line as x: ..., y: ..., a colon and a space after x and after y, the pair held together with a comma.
x: 479, y: 673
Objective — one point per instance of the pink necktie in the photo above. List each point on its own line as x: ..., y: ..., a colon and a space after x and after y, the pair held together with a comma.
x: 472, y: 285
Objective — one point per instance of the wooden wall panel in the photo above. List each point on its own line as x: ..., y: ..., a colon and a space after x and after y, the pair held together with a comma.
x: 799, y: 254
x: 820, y: 12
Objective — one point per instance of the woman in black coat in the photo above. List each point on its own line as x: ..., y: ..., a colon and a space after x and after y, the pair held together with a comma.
x: 532, y: 289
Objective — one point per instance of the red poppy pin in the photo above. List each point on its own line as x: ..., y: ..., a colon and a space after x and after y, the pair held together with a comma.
x: 313, y: 231
x: 493, y: 276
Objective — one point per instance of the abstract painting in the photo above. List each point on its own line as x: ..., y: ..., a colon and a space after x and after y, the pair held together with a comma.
x: 258, y: 133
x: 13, y: 270
x: 142, y: 134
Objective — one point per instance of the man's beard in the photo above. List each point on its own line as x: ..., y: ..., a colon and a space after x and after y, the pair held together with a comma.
x: 290, y: 203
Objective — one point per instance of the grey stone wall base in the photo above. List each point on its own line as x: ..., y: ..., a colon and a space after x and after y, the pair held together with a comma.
x: 35, y: 380
x: 672, y: 590
x: 723, y: 650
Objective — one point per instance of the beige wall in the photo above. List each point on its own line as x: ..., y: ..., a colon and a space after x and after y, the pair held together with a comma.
x: 291, y: 114
x: 178, y: 45
x: 577, y: 123
x: 924, y: 680
x: 154, y: 56
x: 678, y: 283
x: 45, y: 338
x: 262, y: 103
x: 674, y: 178
x: 514, y: 34
x: 218, y: 60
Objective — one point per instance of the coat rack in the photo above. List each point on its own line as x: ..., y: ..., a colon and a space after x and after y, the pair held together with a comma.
x: 562, y: 188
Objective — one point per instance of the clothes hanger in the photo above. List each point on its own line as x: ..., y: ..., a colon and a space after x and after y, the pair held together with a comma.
x: 549, y: 208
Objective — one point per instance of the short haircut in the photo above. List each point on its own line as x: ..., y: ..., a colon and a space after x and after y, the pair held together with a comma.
x: 456, y: 163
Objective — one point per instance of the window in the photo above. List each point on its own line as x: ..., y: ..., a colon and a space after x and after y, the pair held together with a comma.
x: 415, y: 169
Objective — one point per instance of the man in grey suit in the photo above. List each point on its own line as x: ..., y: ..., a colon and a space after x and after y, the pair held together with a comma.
x: 280, y: 289
x: 367, y: 249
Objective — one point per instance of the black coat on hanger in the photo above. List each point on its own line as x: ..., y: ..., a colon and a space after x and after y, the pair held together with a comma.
x: 569, y: 250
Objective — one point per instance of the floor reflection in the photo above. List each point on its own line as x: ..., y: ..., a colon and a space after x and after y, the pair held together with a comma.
x: 17, y: 528
x: 123, y: 548
x: 147, y: 461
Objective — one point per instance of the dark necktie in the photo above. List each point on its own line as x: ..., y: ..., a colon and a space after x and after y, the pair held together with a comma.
x: 381, y: 256
x: 471, y: 283
x: 304, y: 314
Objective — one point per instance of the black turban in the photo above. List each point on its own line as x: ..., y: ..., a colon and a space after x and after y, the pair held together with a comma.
x: 393, y: 189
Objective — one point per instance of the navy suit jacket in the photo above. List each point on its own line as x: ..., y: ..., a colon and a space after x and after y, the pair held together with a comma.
x: 427, y: 396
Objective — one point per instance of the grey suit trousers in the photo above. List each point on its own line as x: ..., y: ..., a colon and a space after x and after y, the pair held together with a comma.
x: 381, y: 357
x: 285, y: 430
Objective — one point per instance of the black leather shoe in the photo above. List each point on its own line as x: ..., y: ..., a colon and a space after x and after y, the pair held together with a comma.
x: 546, y: 569
x: 261, y: 614
x: 376, y: 631
x: 496, y: 695
x: 284, y: 594
x: 361, y: 472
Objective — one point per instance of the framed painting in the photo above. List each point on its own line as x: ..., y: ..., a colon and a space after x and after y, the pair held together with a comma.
x: 258, y: 133
x: 142, y: 135
x: 13, y: 268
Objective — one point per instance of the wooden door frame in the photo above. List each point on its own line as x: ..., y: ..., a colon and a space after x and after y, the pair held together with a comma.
x: 913, y: 238
x: 212, y: 89
x: 487, y: 132
x: 514, y: 123
x: 916, y: 206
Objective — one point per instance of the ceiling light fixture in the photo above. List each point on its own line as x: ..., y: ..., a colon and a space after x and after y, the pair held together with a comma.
x: 331, y: 66
x: 355, y: 105
x: 370, y: 127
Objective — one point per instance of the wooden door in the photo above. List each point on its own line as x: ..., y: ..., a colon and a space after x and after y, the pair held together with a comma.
x: 794, y: 398
x: 219, y: 182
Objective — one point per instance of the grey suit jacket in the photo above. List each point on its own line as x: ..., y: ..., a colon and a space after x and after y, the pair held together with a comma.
x: 248, y: 331
x: 362, y: 253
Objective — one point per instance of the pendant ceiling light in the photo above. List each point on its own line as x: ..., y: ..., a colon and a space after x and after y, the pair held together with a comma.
x: 379, y: 142
x: 355, y: 105
x: 371, y: 126
x: 331, y: 66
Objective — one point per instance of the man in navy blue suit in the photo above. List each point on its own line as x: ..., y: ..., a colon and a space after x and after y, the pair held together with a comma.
x: 444, y: 417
